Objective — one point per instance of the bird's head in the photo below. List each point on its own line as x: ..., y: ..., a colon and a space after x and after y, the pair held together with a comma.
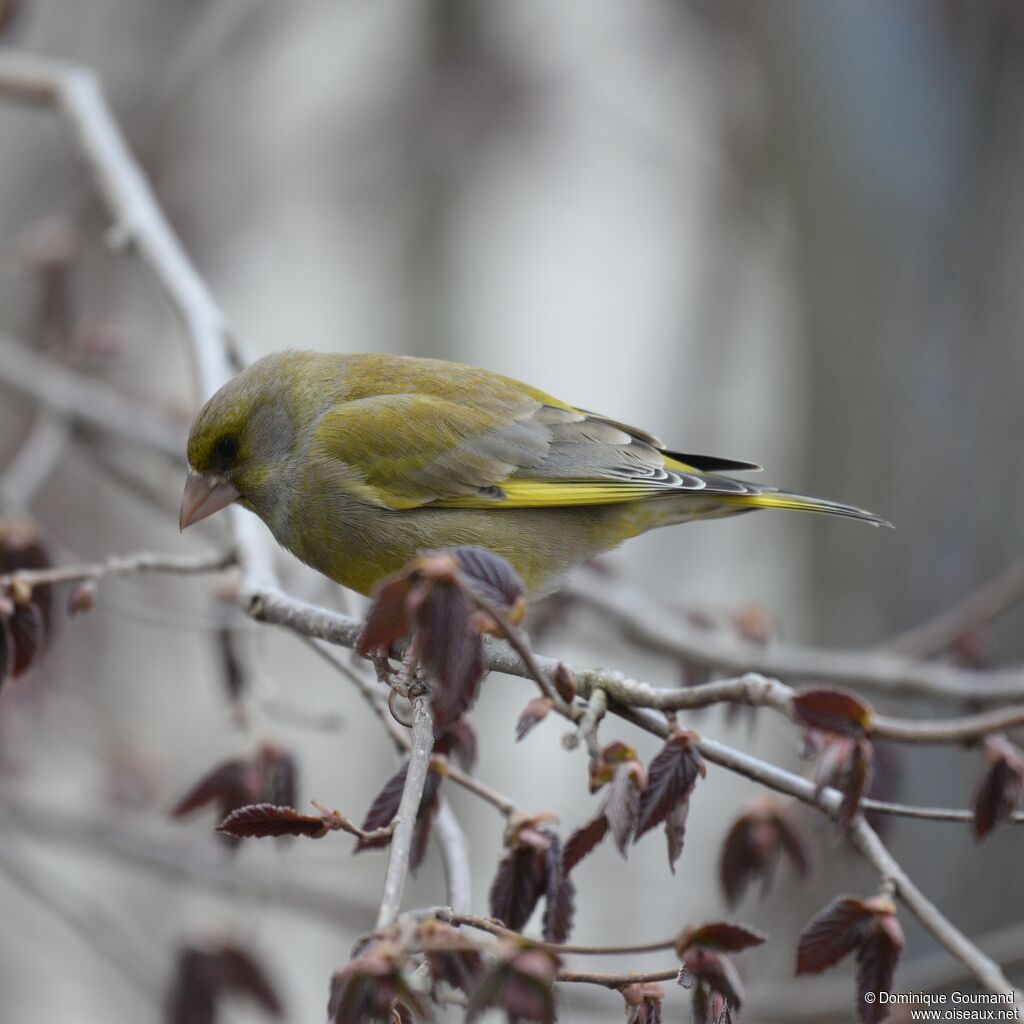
x: 244, y: 438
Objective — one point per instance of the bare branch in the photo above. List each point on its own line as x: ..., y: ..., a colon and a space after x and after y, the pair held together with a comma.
x: 454, y: 856
x: 88, y: 401
x: 986, y: 603
x: 412, y: 792
x: 883, y: 671
x: 24, y: 580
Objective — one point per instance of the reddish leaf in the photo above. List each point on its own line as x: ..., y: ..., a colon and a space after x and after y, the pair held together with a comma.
x: 383, y: 809
x: 675, y: 832
x: 277, y: 774
x: 244, y: 975
x: 559, y: 894
x: 518, y: 885
x: 231, y: 668
x: 833, y: 711
x: 643, y: 1003
x: 385, y: 806
x: 832, y: 934
x: 708, y: 972
x: 752, y: 847
x: 261, y: 820
x: 458, y: 739
x: 521, y: 984
x: 228, y: 785
x: 369, y: 989
x: 583, y: 841
x: 429, y: 804
x: 387, y: 618
x: 876, y: 964
x: 720, y: 936
x: 622, y: 802
x: 671, y: 777
x: 999, y: 792
x: 452, y: 957
x: 535, y: 712
x: 204, y: 976
x: 492, y: 578
x: 28, y: 635
x: 846, y: 764
x: 21, y: 548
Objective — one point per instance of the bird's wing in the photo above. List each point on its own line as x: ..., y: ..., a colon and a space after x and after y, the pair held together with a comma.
x: 511, y: 450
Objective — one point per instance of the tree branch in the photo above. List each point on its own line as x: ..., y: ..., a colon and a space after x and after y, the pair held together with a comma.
x: 647, y: 622
x: 412, y: 793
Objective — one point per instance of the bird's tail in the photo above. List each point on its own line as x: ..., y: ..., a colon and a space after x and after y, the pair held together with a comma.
x: 803, y: 503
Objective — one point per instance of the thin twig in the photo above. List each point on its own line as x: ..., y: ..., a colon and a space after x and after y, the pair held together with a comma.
x: 71, y: 394
x: 408, y: 808
x: 24, y: 580
x: 980, y: 607
x: 617, y: 980
x: 647, y: 622
x: 454, y: 847
x: 492, y: 927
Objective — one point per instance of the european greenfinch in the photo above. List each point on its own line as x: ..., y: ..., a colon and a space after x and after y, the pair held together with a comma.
x: 358, y: 462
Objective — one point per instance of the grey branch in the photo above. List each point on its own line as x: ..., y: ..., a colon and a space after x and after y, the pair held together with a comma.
x: 649, y: 623
x: 88, y: 401
x: 412, y: 792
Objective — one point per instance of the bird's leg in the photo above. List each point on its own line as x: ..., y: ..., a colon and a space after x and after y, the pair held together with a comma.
x: 407, y: 682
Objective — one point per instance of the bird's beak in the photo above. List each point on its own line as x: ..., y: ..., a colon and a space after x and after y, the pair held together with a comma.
x: 204, y: 495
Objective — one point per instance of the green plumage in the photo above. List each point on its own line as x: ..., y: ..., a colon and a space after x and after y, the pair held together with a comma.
x: 356, y: 462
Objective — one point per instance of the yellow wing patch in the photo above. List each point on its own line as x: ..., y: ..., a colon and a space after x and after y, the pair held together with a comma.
x: 519, y: 493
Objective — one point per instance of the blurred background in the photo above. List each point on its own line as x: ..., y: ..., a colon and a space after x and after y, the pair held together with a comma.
x: 778, y: 230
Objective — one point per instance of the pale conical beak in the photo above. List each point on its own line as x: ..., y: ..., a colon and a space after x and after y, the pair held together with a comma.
x: 204, y: 495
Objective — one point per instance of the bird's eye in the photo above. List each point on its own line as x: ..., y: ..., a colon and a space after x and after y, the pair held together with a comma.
x: 226, y: 448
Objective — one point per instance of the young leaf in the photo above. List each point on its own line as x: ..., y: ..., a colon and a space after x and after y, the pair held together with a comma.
x: 708, y: 972
x: 752, y: 847
x: 492, y: 578
x: 643, y: 1003
x: 832, y: 934
x: 533, y: 714
x: 369, y: 989
x: 999, y: 792
x: 720, y: 936
x: 675, y: 832
x: 622, y: 802
x: 387, y: 618
x: 244, y: 975
x: 583, y: 841
x: 876, y: 964
x: 846, y: 764
x: 518, y: 885
x: 833, y: 711
x: 385, y: 806
x: 261, y: 820
x: 458, y: 739
x: 204, y: 976
x: 521, y: 984
x: 671, y: 777
x: 228, y: 785
x: 453, y: 958
x: 559, y: 892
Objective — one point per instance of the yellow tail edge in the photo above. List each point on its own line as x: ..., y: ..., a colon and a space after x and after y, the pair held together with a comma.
x: 805, y: 503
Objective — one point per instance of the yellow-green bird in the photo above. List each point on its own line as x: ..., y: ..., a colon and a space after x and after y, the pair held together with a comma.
x: 358, y: 462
